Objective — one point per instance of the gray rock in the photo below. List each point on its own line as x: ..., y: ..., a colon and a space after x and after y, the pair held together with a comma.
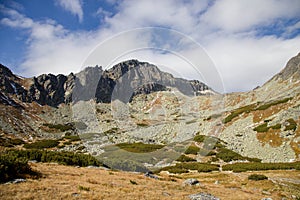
x: 202, y: 196
x: 191, y: 181
x: 150, y: 175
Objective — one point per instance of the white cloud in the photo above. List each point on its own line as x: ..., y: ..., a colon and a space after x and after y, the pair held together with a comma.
x: 227, y: 30
x: 243, y: 15
x: 73, y: 6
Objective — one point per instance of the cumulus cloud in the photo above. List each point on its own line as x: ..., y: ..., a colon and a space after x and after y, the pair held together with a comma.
x: 73, y: 6
x: 229, y: 32
x: 244, y: 15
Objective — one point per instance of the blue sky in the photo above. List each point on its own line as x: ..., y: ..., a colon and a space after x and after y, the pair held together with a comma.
x: 246, y: 42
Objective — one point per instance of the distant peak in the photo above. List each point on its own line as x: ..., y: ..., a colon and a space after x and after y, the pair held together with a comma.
x: 5, y: 71
x: 292, y: 69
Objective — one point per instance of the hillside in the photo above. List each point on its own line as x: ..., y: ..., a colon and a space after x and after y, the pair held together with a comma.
x: 134, y: 102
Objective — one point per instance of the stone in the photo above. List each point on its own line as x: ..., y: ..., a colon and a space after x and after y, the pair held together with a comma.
x: 150, y: 175
x: 202, y: 196
x: 191, y: 181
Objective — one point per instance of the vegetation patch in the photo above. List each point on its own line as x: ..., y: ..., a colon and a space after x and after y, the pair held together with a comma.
x: 184, y: 158
x: 228, y: 155
x: 72, y: 138
x: 257, y: 177
x: 265, y: 128
x: 12, y: 167
x: 199, y: 138
x: 292, y: 125
x: 42, y: 144
x: 60, y: 127
x: 64, y: 158
x: 237, y: 112
x: 192, y: 150
x: 243, y: 167
x: 185, y: 167
x: 253, y: 107
x: 139, y: 147
x: 10, y: 142
x: 273, y: 103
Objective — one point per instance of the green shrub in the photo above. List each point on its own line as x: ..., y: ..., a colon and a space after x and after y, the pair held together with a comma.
x: 276, y: 126
x: 292, y: 125
x: 65, y: 158
x: 12, y: 167
x: 73, y: 138
x: 199, y: 138
x: 61, y: 127
x: 273, y: 103
x: 185, y: 167
x: 139, y: 147
x: 257, y: 177
x: 262, y: 128
x: 241, y: 167
x: 228, y: 155
x: 9, y: 142
x: 237, y: 112
x: 184, y: 158
x: 42, y: 144
x: 192, y: 150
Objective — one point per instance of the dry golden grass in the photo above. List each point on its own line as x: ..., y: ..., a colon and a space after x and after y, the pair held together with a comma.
x: 272, y: 137
x: 65, y: 182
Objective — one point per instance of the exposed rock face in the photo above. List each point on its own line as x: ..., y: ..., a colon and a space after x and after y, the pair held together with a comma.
x: 292, y: 69
x: 123, y: 81
x: 132, y: 77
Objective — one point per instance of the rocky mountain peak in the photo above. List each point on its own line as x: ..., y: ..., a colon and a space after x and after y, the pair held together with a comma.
x: 4, y: 71
x: 292, y: 69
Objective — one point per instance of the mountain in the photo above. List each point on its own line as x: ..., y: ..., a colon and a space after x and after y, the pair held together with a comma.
x: 39, y: 100
x: 136, y: 102
x: 130, y: 78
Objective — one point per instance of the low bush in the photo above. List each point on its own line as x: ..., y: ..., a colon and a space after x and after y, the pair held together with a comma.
x: 12, y: 167
x: 72, y: 138
x: 272, y: 103
x: 61, y: 127
x: 228, y: 155
x: 237, y: 112
x: 199, y: 138
x: 192, y: 150
x: 242, y: 167
x: 257, y: 177
x: 65, y: 158
x: 292, y: 125
x: 139, y: 147
x: 41, y: 144
x: 185, y: 167
x: 264, y: 127
x: 184, y: 158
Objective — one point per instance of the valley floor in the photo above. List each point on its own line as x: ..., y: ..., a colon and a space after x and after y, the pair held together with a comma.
x: 65, y: 182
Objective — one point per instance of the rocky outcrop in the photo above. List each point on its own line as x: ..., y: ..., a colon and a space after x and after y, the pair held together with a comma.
x: 123, y: 81
x: 132, y: 77
x: 292, y: 69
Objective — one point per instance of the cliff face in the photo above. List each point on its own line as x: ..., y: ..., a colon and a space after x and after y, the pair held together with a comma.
x: 122, y: 81
x: 132, y: 77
